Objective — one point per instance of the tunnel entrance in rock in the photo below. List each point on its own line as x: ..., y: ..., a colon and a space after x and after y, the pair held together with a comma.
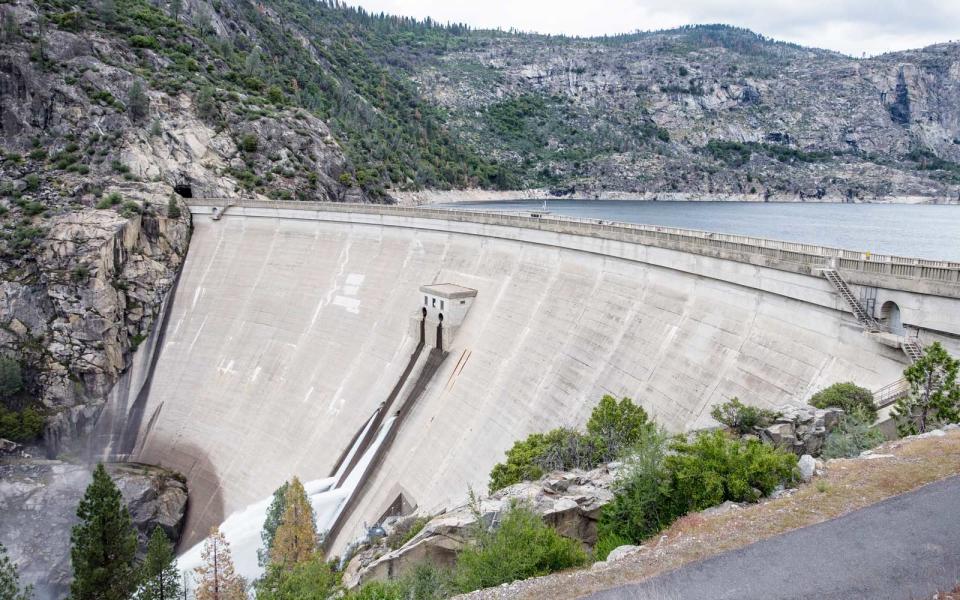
x: 184, y: 190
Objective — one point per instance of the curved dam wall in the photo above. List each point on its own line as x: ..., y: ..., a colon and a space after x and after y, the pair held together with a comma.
x: 290, y: 327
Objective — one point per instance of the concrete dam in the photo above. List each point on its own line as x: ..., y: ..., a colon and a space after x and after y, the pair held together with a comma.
x: 299, y: 331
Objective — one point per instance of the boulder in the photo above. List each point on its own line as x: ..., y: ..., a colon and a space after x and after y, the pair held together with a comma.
x: 802, y: 430
x: 808, y: 467
x: 156, y: 497
x: 622, y: 552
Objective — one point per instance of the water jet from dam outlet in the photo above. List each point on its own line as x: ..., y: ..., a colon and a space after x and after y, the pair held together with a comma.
x: 242, y: 529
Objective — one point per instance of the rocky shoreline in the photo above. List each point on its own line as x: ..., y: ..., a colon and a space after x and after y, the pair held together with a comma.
x: 427, y: 197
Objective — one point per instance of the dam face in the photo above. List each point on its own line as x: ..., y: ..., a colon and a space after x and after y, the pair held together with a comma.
x: 287, y: 332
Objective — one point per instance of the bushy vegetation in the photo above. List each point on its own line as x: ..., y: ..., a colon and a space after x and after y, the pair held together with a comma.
x: 665, y: 480
x: 849, y: 397
x: 714, y: 468
x: 20, y: 426
x: 521, y: 547
x: 852, y: 435
x: 405, y: 531
x: 614, y: 427
x: 738, y: 154
x: 742, y: 418
x: 11, y: 378
x: 424, y: 582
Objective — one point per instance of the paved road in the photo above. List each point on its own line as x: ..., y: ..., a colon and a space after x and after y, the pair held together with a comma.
x: 900, y: 549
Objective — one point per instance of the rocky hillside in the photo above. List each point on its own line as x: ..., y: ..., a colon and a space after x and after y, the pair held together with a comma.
x: 300, y: 99
x: 111, y: 110
x: 706, y: 110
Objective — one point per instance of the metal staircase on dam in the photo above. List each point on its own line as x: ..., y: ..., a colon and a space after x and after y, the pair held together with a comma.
x: 868, y: 322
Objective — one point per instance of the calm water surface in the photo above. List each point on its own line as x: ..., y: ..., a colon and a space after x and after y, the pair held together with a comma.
x: 923, y: 231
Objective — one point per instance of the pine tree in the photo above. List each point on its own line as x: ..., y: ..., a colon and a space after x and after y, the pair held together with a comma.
x: 175, y: 7
x: 104, y: 544
x: 271, y: 522
x: 296, y: 538
x: 216, y: 577
x: 934, y: 396
x: 138, y: 104
x: 159, y: 579
x: 10, y: 580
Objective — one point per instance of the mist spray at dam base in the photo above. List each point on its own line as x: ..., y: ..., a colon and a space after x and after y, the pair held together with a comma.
x: 242, y: 529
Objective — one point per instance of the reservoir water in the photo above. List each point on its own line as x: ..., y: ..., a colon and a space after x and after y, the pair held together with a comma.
x: 918, y: 230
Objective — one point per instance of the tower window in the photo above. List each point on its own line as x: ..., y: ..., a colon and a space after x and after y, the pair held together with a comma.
x: 441, y: 305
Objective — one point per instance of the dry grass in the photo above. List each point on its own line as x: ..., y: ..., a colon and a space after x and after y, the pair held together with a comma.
x: 846, y: 486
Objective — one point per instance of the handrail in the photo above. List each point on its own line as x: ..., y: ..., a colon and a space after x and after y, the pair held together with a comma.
x: 811, y: 255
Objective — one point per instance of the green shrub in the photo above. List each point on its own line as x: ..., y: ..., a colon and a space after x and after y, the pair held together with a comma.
x: 33, y: 181
x: 405, y: 531
x: 249, y: 143
x: 848, y: 396
x: 531, y: 458
x: 616, y: 426
x: 853, y: 435
x: 173, y: 208
x: 424, y: 582
x: 641, y: 504
x: 143, y: 41
x: 520, y: 548
x: 130, y: 209
x: 110, y: 200
x: 741, y: 417
x: 714, y: 468
x: 11, y: 378
x: 20, y: 426
x: 311, y: 580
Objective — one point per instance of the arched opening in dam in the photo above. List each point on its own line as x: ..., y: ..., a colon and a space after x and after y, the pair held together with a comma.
x: 290, y: 329
x: 890, y: 317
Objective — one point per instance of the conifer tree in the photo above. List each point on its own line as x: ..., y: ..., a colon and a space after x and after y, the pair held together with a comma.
x: 10, y: 580
x: 159, y: 579
x: 296, y: 538
x: 271, y: 522
x: 103, y: 544
x: 934, y: 396
x: 216, y: 577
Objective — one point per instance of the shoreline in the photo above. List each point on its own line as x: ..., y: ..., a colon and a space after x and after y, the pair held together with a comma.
x: 427, y: 197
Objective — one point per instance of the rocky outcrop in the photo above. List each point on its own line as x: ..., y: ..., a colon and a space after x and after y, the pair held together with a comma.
x: 568, y: 501
x: 77, y: 302
x: 38, y: 501
x: 801, y: 430
x: 156, y: 497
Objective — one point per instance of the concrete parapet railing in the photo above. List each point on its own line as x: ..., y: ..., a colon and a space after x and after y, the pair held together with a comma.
x: 767, y: 252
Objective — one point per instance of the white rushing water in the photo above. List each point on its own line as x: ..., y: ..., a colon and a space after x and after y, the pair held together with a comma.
x: 242, y: 528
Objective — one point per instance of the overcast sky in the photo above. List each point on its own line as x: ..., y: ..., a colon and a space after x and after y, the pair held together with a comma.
x: 850, y: 26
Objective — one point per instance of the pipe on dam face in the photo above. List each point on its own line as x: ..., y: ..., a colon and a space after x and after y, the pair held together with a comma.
x: 287, y: 334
